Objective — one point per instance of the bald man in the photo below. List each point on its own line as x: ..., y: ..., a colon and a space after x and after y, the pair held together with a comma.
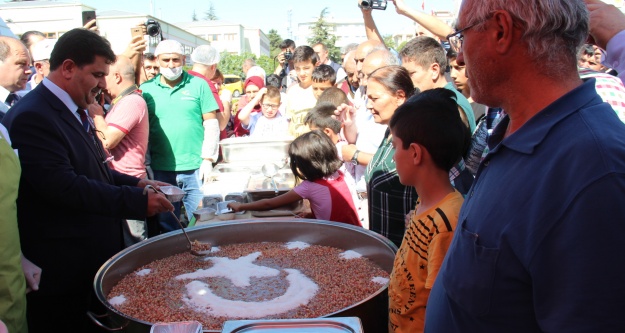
x: 124, y: 131
x: 363, y: 50
x: 349, y: 65
x: 14, y: 71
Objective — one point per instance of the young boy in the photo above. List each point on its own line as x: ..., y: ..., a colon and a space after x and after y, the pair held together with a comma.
x: 323, y: 77
x: 270, y: 122
x: 300, y: 97
x: 428, y: 136
x: 335, y: 96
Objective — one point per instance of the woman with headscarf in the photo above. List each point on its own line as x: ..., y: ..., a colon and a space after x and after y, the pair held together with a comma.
x: 251, y: 86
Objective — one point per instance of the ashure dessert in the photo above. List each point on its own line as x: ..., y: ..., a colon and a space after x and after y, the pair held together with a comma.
x: 248, y: 281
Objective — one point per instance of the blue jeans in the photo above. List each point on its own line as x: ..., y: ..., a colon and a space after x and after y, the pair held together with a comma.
x: 189, y: 182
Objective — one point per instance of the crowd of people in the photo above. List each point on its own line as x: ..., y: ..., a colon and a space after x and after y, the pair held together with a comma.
x: 491, y: 153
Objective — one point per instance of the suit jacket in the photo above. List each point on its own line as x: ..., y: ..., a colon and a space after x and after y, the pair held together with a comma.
x: 70, y: 204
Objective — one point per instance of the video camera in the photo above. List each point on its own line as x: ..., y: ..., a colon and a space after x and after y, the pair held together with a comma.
x: 288, y: 55
x: 373, y: 4
x: 153, y: 27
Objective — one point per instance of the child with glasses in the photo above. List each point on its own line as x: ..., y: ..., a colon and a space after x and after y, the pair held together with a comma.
x: 269, y: 122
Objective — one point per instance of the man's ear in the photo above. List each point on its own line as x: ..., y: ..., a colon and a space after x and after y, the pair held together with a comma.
x: 118, y: 78
x: 38, y: 67
x: 503, y: 24
x: 68, y: 67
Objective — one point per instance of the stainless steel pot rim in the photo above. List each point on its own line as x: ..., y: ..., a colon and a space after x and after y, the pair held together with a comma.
x: 104, y: 268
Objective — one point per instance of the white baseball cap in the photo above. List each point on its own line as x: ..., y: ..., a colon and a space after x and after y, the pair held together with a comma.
x: 42, y: 49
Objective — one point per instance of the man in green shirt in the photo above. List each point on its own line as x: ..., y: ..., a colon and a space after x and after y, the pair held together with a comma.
x: 184, y: 131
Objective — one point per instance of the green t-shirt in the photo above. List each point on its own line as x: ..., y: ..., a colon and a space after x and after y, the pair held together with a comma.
x: 176, y: 131
x: 464, y: 104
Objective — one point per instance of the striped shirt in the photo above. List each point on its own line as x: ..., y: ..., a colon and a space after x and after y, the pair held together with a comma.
x: 418, y: 261
x: 389, y: 200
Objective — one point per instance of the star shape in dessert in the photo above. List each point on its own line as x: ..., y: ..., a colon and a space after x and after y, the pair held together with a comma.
x: 239, y: 271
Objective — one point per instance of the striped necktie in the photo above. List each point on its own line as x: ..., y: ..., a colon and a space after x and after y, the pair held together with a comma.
x: 83, y: 119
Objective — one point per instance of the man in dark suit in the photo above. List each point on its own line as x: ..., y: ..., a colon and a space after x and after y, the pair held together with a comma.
x: 70, y: 204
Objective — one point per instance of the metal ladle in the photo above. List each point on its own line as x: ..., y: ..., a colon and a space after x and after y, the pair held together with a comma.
x: 191, y: 250
x: 270, y: 170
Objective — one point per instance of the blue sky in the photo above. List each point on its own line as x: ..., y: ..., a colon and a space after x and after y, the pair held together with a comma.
x: 269, y: 14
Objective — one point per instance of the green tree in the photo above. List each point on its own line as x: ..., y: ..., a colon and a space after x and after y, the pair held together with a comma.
x: 274, y: 42
x: 401, y: 46
x: 210, y: 14
x: 390, y: 42
x: 321, y: 33
x: 232, y: 63
x: 194, y: 16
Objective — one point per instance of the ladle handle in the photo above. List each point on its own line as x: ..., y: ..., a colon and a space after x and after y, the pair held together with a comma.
x: 182, y: 227
x: 174, y: 215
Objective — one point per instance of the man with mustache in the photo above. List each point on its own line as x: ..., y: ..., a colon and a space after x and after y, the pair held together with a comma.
x: 70, y: 204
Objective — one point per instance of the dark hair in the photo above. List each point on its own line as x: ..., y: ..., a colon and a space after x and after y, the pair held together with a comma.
x: 305, y: 53
x: 431, y: 119
x: 272, y: 92
x: 321, y: 117
x: 451, y: 54
x: 394, y: 78
x: 218, y: 75
x: 333, y: 95
x: 26, y: 40
x: 287, y: 43
x: 273, y: 80
x: 586, y: 50
x: 149, y: 56
x: 324, y: 73
x: 313, y: 156
x: 81, y: 46
x: 425, y: 51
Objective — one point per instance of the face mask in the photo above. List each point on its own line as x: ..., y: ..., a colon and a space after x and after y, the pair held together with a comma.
x: 171, y: 74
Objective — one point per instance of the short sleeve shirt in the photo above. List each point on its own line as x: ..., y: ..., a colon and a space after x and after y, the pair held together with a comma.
x: 130, y: 115
x: 176, y: 130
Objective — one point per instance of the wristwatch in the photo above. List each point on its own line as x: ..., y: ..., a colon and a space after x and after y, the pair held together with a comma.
x: 355, y: 157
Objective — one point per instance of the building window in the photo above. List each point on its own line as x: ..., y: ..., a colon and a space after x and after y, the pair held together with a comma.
x: 51, y: 35
x: 230, y: 36
x: 213, y: 37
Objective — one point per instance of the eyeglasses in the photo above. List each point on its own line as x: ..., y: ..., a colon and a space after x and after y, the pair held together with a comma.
x: 455, y: 40
x: 271, y: 106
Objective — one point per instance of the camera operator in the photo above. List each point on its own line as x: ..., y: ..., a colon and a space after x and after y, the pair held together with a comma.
x: 285, y: 64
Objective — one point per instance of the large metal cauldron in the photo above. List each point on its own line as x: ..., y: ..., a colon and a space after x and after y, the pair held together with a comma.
x: 373, y: 311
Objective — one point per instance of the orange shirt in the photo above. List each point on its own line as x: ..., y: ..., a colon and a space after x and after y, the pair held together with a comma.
x: 417, y: 262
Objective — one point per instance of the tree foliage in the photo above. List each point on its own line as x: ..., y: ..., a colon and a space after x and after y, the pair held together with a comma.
x: 274, y: 42
x: 390, y: 42
x: 322, y: 33
x: 210, y: 14
x: 194, y: 16
x: 232, y: 63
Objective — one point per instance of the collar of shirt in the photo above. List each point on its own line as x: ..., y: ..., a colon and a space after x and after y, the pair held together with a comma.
x: 63, y: 96
x: 534, y: 131
x: 4, y: 93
